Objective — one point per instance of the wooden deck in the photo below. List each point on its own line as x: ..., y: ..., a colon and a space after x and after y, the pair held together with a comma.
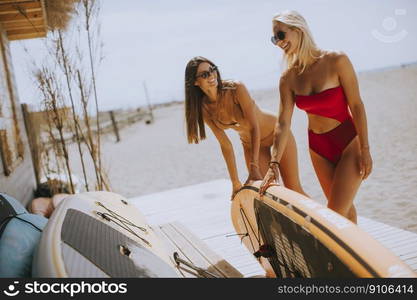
x: 205, y: 211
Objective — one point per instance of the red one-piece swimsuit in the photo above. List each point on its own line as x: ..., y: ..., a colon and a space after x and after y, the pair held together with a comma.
x: 330, y: 103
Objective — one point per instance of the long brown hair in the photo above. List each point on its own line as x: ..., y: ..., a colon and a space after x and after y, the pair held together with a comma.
x: 194, y: 100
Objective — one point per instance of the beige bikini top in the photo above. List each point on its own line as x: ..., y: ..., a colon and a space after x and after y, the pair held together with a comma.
x: 230, y: 109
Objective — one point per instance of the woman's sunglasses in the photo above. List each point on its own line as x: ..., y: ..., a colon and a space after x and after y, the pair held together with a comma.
x: 206, y: 74
x: 279, y: 36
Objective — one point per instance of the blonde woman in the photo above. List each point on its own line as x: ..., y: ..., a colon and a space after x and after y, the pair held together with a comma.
x: 324, y: 84
x: 227, y: 105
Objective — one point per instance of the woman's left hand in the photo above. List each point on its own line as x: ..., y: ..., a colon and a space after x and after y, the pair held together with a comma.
x: 365, y: 163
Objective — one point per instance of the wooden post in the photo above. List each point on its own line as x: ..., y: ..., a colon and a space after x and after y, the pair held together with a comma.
x: 5, y: 153
x: 33, y: 139
x: 116, y: 130
x: 149, y: 102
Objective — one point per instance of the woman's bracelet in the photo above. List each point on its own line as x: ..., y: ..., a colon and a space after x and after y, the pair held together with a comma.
x: 253, y: 163
x: 273, y: 162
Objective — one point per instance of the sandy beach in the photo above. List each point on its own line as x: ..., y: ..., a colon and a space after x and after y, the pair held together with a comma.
x: 157, y: 157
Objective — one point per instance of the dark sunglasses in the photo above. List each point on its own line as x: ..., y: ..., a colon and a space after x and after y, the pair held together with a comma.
x: 206, y: 74
x: 280, y: 35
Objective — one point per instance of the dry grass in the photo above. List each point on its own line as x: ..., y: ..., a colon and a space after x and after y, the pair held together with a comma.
x: 65, y: 82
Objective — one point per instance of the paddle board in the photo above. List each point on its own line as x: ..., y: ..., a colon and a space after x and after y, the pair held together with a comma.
x: 100, y: 234
x: 299, y: 237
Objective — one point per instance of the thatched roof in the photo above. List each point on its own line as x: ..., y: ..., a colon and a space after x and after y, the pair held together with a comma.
x: 23, y: 19
x: 59, y: 12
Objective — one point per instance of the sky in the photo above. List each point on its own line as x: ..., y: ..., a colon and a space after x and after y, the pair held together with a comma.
x: 152, y: 41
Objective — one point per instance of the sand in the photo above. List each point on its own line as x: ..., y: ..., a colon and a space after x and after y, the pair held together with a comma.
x: 157, y: 157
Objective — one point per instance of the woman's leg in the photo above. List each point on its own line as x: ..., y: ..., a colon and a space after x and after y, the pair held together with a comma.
x: 289, y: 166
x: 339, y: 183
x: 325, y: 171
x: 248, y: 154
x: 346, y: 181
x: 264, y: 159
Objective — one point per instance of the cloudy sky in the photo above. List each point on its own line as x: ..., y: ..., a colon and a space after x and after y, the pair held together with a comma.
x: 151, y: 41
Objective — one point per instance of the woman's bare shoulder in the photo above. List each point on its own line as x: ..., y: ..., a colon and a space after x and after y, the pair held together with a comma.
x: 229, y: 84
x: 287, y: 77
x: 335, y: 56
x: 239, y: 85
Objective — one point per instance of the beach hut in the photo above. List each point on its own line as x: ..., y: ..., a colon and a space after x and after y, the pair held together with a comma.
x: 21, y: 20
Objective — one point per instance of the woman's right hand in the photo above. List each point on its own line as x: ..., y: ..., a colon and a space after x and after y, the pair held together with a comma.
x: 271, y: 176
x: 236, y: 188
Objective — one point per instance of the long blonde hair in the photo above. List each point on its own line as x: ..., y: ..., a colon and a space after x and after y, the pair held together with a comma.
x: 301, y: 58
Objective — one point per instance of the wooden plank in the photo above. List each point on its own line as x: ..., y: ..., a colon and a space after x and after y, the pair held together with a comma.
x: 254, y: 275
x: 384, y: 235
x: 26, y: 36
x: 371, y: 228
x: 404, y: 247
x: 24, y: 26
x: 396, y: 241
x: 389, y: 231
x: 414, y: 267
x: 4, y: 2
x: 400, y: 246
x: 367, y: 224
x: 225, y: 234
x: 243, y: 261
x: 375, y: 229
x: 364, y: 221
x: 225, y: 246
x: 382, y: 232
x: 26, y: 7
x: 203, y: 227
x: 19, y: 17
x: 235, y: 253
x: 397, y: 236
x: 29, y: 30
x: 212, y: 257
x: 249, y: 268
x: 401, y: 242
x: 228, y: 247
x: 408, y: 256
x: 409, y: 251
x: 400, y: 252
